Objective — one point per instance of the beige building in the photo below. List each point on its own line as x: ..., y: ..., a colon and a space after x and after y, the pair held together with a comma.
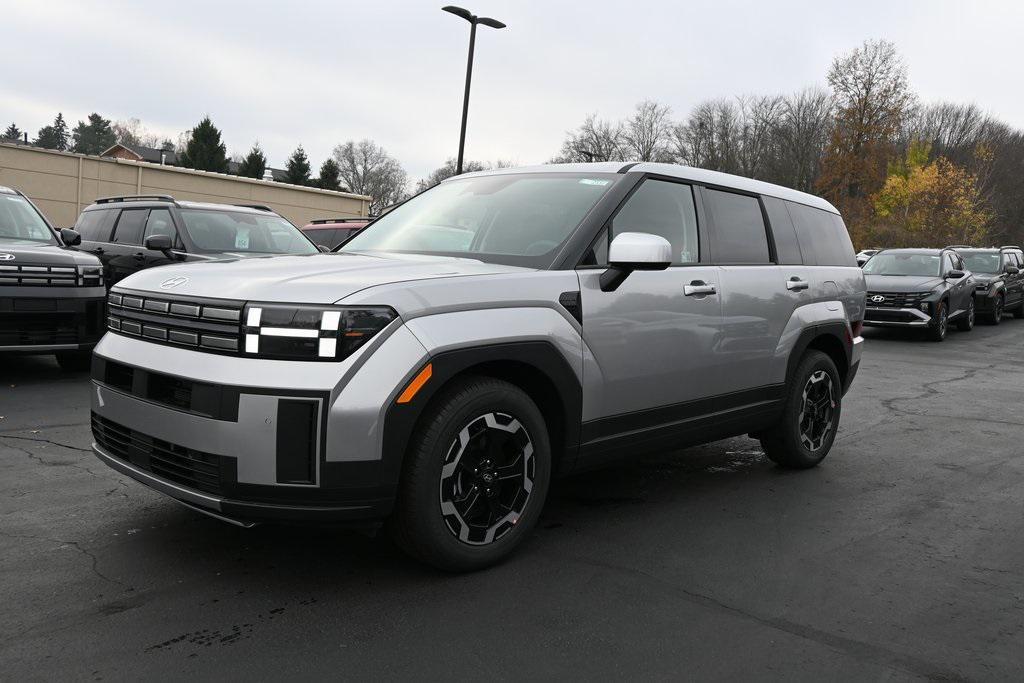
x: 61, y: 184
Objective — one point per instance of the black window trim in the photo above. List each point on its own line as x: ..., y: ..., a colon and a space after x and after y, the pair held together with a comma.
x: 773, y: 258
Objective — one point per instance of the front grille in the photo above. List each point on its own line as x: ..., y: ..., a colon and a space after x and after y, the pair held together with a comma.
x: 21, y: 329
x: 209, y: 324
x: 185, y: 466
x: 893, y: 316
x: 50, y: 276
x: 896, y: 299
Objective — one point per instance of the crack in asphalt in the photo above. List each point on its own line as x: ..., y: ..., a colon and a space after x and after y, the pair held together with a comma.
x: 928, y: 389
x: 46, y: 463
x: 875, y: 654
x: 94, y: 561
x: 49, y: 441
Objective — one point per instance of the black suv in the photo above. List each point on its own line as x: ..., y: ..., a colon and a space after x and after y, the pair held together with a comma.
x: 140, y: 231
x: 919, y: 288
x: 999, y: 282
x: 51, y: 297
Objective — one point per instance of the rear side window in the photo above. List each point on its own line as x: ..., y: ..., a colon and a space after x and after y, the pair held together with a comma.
x: 740, y: 235
x: 824, y: 240
x: 94, y: 226
x: 129, y: 226
x: 787, y: 248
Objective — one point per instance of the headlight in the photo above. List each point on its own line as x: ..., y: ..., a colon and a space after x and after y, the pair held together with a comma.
x: 300, y: 332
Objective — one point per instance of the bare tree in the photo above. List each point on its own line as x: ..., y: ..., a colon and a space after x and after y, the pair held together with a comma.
x: 594, y: 140
x: 445, y: 172
x: 647, y: 134
x: 131, y: 133
x: 366, y: 168
x: 800, y: 136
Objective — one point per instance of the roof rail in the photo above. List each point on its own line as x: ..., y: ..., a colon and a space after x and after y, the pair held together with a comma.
x: 261, y: 207
x: 137, y: 198
x: 322, y: 221
x: 1009, y: 246
x: 959, y: 246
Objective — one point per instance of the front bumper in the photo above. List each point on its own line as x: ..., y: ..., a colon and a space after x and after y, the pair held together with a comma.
x: 304, y: 445
x: 896, y: 317
x: 47, y: 319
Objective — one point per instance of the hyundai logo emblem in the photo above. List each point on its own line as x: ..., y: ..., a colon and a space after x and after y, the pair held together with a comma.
x: 173, y: 282
x: 6, y: 257
x: 877, y: 298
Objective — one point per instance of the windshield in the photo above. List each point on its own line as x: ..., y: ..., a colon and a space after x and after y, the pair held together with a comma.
x: 228, y: 231
x: 981, y: 262
x: 20, y: 221
x: 515, y: 219
x: 896, y: 263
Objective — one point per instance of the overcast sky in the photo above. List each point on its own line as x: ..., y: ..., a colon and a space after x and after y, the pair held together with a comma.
x: 319, y: 73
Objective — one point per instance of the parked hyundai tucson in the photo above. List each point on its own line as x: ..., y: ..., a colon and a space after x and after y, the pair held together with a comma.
x: 922, y: 289
x: 999, y: 282
x: 51, y: 296
x: 135, y: 232
x: 488, y: 334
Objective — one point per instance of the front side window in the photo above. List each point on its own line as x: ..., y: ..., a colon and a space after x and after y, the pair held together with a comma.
x: 20, y: 221
x: 662, y: 208
x: 516, y: 219
x: 904, y: 264
x: 160, y: 223
x: 740, y: 235
x: 229, y: 231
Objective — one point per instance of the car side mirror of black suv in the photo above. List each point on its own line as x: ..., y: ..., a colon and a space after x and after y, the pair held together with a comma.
x: 955, y: 274
x: 69, y: 237
x: 160, y: 243
x: 1012, y: 270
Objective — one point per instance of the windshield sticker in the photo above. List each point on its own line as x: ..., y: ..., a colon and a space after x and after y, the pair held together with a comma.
x: 242, y: 240
x: 593, y: 181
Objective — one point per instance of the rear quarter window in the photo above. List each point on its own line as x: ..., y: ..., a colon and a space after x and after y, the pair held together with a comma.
x: 94, y: 226
x: 824, y: 240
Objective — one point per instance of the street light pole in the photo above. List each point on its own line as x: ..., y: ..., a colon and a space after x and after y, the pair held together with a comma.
x: 473, y: 21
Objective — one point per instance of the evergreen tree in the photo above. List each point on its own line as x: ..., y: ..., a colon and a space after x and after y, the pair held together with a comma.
x: 204, y: 150
x: 93, y: 137
x: 330, y: 175
x: 12, y: 133
x: 297, y: 170
x: 55, y: 136
x: 254, y: 163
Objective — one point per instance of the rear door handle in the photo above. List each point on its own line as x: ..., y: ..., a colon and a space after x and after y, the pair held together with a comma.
x: 699, y: 287
x: 795, y: 284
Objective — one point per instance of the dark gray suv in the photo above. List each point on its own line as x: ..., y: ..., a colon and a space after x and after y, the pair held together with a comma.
x: 999, y: 282
x: 494, y: 331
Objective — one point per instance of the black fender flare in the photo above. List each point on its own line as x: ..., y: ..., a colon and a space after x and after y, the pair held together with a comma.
x: 400, y: 419
x: 835, y: 329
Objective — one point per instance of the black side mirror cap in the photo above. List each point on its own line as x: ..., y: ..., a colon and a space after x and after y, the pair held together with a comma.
x: 1012, y: 270
x: 161, y: 243
x: 70, y: 237
x: 955, y: 274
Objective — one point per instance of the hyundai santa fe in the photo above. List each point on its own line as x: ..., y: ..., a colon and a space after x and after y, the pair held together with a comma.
x: 502, y: 328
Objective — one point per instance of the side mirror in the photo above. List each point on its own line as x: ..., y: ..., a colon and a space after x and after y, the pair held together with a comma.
x: 631, y: 251
x: 955, y: 274
x: 160, y: 243
x: 71, y: 238
x: 1012, y: 270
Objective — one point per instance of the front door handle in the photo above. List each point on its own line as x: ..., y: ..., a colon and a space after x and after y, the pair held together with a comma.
x: 795, y: 284
x: 699, y: 287
x: 139, y: 256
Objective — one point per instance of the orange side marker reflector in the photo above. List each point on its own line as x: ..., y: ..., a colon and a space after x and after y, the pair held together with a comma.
x: 416, y: 384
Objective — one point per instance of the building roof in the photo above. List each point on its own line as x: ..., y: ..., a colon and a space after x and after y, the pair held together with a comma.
x: 141, y: 153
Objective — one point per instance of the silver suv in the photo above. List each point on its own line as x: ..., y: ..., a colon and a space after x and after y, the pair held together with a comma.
x: 497, y: 330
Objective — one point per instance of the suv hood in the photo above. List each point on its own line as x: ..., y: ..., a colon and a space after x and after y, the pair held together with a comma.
x: 28, y: 253
x: 902, y: 283
x: 313, y: 278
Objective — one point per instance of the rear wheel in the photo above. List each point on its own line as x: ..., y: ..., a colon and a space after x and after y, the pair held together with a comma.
x: 74, y: 361
x: 966, y: 321
x: 940, y: 323
x: 805, y: 433
x: 475, y: 477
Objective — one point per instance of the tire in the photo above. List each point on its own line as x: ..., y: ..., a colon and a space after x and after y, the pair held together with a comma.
x: 796, y: 442
x: 938, y: 329
x: 996, y: 316
x: 74, y: 361
x: 966, y: 322
x: 444, y: 515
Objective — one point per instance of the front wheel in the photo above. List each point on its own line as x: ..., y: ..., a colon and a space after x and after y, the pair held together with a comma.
x: 810, y: 419
x: 966, y: 321
x: 940, y: 323
x: 475, y: 477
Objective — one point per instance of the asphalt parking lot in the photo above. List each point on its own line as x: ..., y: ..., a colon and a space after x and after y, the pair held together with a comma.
x: 900, y: 557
